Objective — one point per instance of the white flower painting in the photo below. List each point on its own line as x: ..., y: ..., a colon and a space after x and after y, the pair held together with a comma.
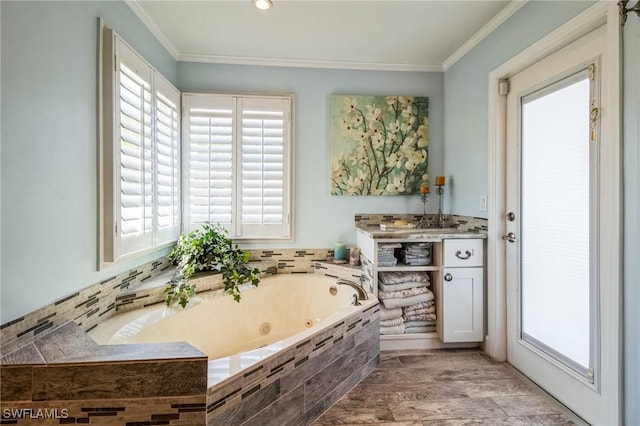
x: 379, y: 144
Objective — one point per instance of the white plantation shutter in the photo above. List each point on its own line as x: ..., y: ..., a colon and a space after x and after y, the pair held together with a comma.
x: 209, y: 167
x: 141, y: 173
x: 167, y: 161
x: 236, y: 171
x: 135, y: 219
x: 264, y: 127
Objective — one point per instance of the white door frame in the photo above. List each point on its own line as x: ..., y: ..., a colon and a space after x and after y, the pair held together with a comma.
x: 603, y: 12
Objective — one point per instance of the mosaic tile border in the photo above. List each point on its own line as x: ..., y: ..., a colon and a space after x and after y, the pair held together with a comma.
x: 463, y: 223
x: 293, y: 261
x: 183, y: 410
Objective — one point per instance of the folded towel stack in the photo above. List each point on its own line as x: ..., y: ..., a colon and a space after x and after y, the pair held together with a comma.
x: 391, y: 321
x: 416, y: 254
x: 407, y: 305
x: 386, y: 254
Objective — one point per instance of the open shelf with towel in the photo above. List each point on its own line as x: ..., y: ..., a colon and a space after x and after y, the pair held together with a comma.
x: 410, y: 302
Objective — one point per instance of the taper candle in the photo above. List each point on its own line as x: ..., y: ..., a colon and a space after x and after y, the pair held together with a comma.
x: 340, y: 252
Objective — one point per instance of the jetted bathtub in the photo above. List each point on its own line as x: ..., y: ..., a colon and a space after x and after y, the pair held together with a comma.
x: 279, y: 308
x: 282, y: 339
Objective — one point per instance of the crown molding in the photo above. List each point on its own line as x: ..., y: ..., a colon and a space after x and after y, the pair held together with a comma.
x: 134, y: 5
x: 303, y: 63
x: 487, y: 29
x: 484, y: 32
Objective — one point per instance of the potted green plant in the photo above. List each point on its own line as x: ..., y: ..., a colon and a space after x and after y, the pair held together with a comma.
x: 209, y: 249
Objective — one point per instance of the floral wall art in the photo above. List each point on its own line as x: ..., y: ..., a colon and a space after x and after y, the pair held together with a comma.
x: 379, y: 144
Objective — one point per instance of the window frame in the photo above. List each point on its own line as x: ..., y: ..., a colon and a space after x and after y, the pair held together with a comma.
x: 109, y: 146
x: 235, y: 227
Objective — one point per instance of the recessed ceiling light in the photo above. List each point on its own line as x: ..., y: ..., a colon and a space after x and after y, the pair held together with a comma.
x: 262, y: 4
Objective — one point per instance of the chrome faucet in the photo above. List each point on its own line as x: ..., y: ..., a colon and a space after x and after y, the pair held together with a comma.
x: 362, y: 294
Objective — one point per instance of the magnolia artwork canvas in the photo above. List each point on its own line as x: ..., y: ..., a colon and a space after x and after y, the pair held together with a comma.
x: 379, y: 144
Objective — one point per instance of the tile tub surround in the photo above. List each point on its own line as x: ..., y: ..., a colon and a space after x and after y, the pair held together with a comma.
x: 298, y: 384
x: 78, y: 381
x: 99, y: 384
x: 87, y: 307
x: 132, y: 289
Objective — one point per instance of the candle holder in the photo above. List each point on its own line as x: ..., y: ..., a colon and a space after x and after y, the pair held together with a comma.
x: 424, y: 221
x: 440, y: 191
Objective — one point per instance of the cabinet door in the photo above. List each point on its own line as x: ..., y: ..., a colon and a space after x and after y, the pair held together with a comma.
x: 462, y: 305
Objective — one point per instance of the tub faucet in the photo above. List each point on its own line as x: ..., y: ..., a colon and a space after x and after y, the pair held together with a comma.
x: 362, y: 294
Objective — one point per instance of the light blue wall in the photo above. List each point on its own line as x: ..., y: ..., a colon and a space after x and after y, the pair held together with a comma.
x: 466, y: 86
x: 322, y: 219
x: 632, y: 217
x: 49, y: 146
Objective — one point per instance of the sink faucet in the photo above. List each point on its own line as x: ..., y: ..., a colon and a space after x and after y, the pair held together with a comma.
x: 362, y: 294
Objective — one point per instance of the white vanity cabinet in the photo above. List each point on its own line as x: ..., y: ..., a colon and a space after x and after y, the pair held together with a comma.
x: 460, y: 295
x: 456, y: 274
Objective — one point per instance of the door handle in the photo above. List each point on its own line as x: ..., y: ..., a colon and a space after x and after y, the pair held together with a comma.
x: 510, y: 237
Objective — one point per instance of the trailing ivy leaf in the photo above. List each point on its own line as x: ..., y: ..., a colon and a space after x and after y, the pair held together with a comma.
x: 210, y: 249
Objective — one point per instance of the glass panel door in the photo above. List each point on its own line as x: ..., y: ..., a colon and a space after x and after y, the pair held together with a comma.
x: 556, y: 290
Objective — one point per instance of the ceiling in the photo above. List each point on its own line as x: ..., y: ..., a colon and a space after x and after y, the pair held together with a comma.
x: 417, y: 35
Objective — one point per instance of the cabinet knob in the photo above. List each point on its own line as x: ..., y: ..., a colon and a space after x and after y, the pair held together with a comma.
x: 448, y: 277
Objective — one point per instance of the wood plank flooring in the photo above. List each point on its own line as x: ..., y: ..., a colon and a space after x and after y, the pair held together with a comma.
x: 443, y: 387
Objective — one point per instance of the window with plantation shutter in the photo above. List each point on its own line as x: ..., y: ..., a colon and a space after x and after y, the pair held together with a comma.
x: 140, y: 154
x: 237, y: 164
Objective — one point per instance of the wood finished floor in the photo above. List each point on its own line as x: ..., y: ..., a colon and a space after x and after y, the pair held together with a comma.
x: 443, y: 387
